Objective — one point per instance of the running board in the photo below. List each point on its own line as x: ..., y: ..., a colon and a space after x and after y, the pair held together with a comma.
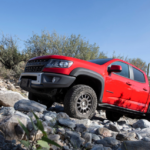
x: 120, y: 109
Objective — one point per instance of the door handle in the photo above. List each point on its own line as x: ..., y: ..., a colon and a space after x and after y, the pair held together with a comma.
x: 144, y: 89
x: 128, y: 83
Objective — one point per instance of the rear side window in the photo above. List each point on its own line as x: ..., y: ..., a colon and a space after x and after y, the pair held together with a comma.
x: 138, y: 75
x: 125, y: 69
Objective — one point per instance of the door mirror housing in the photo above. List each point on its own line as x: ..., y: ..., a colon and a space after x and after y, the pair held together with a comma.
x: 115, y: 68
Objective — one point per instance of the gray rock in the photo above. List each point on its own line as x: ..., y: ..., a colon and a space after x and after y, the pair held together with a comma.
x: 146, y: 139
x: 49, y: 130
x: 88, y: 145
x: 144, y: 132
x: 104, y: 132
x: 138, y: 137
x: 86, y: 122
x: 54, y: 137
x: 106, y: 121
x: 22, y: 115
x: 108, y: 142
x: 87, y: 137
x: 135, y: 145
x: 7, y: 111
x: 2, y: 138
x: 61, y: 131
x: 9, y: 98
x: 126, y: 136
x: 30, y: 126
x: 57, y: 107
x: 75, y: 139
x: 29, y: 105
x: 47, y: 118
x: 62, y: 115
x: 114, y: 128
x: 100, y: 147
x: 8, y: 145
x: 93, y: 128
x: 50, y: 114
x: 142, y: 124
x: 67, y: 122
x: 66, y: 148
x: 114, y: 134
x: 8, y: 124
x: 30, y: 114
x: 95, y: 137
x: 80, y: 128
x: 19, y: 131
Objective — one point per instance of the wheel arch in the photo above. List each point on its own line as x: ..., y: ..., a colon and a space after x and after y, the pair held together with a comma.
x: 91, y: 78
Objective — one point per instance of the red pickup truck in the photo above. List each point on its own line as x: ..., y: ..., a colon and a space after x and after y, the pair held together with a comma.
x: 84, y: 86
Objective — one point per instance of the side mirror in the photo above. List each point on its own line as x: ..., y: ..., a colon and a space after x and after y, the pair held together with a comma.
x: 115, y: 68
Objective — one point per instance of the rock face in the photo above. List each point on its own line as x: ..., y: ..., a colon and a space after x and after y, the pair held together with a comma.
x: 29, y: 105
x: 9, y: 98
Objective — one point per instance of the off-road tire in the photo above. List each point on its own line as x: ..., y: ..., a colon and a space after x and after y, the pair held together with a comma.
x: 113, y: 116
x: 73, y: 97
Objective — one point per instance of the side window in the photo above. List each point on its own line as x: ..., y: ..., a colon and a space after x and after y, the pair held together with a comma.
x: 138, y: 75
x: 125, y: 69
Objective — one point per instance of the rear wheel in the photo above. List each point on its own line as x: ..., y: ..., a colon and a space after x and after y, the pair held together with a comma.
x: 38, y: 99
x: 80, y: 102
x: 113, y: 116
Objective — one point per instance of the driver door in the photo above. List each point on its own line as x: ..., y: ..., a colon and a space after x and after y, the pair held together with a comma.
x: 118, y: 88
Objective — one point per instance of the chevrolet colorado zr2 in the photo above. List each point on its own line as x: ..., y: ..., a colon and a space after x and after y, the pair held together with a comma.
x: 84, y: 86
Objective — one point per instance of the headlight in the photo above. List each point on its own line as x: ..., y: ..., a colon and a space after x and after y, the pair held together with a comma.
x: 56, y: 63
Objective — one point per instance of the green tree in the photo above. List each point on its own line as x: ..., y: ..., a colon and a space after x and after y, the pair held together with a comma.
x: 138, y: 63
x: 9, y: 54
x: 73, y: 46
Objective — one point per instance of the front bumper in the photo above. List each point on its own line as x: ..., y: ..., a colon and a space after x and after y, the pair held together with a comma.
x: 45, y: 80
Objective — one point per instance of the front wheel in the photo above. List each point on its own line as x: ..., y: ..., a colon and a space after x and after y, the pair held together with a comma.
x: 80, y: 102
x: 113, y: 116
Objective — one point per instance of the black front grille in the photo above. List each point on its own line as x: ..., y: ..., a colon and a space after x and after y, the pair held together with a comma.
x: 36, y: 65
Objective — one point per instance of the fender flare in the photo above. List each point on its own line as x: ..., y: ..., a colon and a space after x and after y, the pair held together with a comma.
x: 82, y: 71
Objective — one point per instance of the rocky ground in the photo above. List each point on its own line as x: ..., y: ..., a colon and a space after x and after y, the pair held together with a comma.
x: 72, y: 134
x: 11, y: 85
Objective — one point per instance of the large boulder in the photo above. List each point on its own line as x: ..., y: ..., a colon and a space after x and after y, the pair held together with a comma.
x: 9, y: 98
x: 10, y: 126
x: 29, y: 105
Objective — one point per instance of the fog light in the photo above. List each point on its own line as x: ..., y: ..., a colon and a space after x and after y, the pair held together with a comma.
x: 54, y: 79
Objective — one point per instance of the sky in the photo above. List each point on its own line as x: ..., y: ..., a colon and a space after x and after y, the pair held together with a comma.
x: 122, y: 26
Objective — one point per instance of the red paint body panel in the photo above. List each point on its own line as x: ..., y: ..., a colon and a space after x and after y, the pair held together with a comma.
x: 118, y: 90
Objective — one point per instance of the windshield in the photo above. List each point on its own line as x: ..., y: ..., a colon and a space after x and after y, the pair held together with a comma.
x: 100, y: 61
